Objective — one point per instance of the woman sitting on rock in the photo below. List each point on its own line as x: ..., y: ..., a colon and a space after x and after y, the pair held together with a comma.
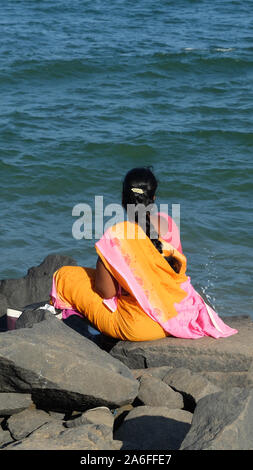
x: 139, y: 290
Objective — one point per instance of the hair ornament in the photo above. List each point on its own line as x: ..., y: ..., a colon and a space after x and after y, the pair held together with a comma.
x: 137, y: 190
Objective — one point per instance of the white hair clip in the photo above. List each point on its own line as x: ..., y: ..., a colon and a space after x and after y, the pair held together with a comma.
x: 137, y: 190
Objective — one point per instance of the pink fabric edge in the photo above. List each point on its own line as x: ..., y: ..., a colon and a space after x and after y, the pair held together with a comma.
x: 173, y: 232
x: 204, y: 320
x: 57, y: 303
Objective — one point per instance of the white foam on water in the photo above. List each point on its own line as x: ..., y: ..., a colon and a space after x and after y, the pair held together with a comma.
x: 224, y: 49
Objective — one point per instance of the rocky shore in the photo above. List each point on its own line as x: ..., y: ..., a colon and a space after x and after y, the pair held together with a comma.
x: 63, y: 388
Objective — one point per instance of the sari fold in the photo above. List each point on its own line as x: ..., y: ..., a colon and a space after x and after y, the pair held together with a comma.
x: 165, y: 296
x: 61, y: 304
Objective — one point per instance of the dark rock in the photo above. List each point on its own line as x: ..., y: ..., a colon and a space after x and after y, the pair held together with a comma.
x: 3, y: 321
x: 62, y: 370
x: 11, y: 403
x: 154, y: 428
x: 222, y: 421
x: 31, y: 315
x: 24, y: 423
x: 34, y: 287
x: 232, y: 354
x: 153, y: 392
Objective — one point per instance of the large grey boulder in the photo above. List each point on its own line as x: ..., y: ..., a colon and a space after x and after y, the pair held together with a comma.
x: 230, y: 355
x: 154, y: 428
x: 35, y: 286
x: 62, y: 369
x: 222, y: 421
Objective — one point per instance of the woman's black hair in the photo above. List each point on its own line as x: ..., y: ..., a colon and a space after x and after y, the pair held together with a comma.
x: 174, y: 263
x: 142, y: 178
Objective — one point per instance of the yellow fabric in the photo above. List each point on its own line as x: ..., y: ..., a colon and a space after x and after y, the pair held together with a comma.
x: 75, y: 285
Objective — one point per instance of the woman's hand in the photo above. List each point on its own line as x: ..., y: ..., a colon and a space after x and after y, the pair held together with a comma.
x: 105, y: 284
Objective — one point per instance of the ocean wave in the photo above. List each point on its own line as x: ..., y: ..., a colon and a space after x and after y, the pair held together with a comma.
x: 151, y: 66
x: 60, y: 68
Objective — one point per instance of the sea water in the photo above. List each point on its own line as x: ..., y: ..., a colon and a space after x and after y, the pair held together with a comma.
x: 90, y: 89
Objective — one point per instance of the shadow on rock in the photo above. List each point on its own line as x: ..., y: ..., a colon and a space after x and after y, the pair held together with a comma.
x: 33, y: 314
x: 84, y: 328
x: 150, y: 432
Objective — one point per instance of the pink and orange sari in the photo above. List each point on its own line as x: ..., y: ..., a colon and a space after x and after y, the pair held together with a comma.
x: 159, y: 300
x: 165, y: 296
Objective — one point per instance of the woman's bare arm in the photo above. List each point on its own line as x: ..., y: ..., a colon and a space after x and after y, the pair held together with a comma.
x: 105, y: 284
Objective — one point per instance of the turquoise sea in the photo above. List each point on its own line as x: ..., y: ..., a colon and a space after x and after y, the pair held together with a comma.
x: 90, y: 89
